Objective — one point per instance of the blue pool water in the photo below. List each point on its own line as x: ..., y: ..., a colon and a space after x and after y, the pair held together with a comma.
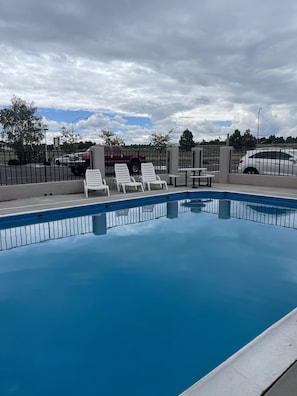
x: 140, y: 300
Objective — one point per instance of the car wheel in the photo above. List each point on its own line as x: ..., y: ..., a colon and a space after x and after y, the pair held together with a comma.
x: 251, y: 171
x: 77, y: 172
x: 57, y: 162
x: 135, y: 166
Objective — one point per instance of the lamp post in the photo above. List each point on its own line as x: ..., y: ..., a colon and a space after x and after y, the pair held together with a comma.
x: 258, y: 126
x: 43, y: 128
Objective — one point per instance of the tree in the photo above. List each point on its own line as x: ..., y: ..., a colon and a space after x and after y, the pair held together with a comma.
x: 69, y: 139
x: 22, y: 128
x: 186, y: 141
x: 159, y: 141
x: 110, y: 138
x: 248, y: 140
x: 235, y: 140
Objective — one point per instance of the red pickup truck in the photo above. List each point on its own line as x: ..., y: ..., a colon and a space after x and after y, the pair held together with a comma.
x: 112, y: 154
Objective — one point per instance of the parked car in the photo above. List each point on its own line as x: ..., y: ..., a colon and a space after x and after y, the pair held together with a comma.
x: 274, y: 161
x: 65, y: 159
x: 112, y: 154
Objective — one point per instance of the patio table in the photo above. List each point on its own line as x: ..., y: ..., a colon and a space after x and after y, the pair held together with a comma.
x: 195, y: 172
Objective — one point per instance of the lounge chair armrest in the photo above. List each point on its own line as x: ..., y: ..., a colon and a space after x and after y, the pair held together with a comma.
x: 133, y: 179
x: 158, y: 177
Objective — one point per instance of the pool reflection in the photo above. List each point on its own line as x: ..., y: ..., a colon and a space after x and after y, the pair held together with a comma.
x: 100, y: 223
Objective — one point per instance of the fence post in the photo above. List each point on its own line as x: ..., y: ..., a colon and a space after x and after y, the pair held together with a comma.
x: 172, y: 210
x: 99, y: 224
x: 197, y: 157
x: 97, y: 160
x: 172, y: 160
x: 225, y: 163
x: 224, y: 209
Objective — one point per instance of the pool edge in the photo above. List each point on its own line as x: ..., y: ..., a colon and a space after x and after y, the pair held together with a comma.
x: 43, y: 214
x: 255, y: 367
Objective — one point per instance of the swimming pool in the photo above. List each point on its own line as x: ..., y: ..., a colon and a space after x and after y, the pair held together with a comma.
x: 140, y: 297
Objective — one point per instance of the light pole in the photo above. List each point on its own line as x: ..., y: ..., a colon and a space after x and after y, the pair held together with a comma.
x: 43, y: 128
x: 258, y: 126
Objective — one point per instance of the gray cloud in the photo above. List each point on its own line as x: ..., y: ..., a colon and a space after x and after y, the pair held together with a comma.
x: 184, y: 64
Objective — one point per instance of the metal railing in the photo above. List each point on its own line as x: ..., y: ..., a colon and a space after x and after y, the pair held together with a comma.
x: 42, y: 168
x: 157, y: 157
x: 211, y: 158
x: 266, y: 161
x: 184, y: 159
x: 49, y: 166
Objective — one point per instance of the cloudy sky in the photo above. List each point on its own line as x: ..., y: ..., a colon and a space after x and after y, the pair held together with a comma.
x: 138, y: 67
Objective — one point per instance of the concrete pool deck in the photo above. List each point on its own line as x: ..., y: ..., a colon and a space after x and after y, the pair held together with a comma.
x: 60, y: 201
x: 283, y: 382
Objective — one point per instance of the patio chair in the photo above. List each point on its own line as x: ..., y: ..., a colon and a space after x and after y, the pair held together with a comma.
x: 149, y: 177
x: 94, y: 182
x: 123, y: 178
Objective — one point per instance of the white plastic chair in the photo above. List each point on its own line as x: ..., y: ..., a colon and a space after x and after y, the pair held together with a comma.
x: 123, y: 178
x: 94, y: 182
x: 149, y: 177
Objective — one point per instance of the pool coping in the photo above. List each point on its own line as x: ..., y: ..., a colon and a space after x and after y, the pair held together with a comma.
x: 255, y: 367
x: 43, y: 214
x: 44, y: 203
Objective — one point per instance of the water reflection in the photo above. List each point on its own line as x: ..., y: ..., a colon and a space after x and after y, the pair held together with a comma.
x: 100, y: 223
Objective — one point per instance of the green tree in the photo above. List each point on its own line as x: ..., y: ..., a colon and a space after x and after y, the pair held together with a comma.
x: 248, y: 140
x: 69, y: 139
x: 159, y: 141
x: 186, y: 141
x: 110, y: 138
x: 235, y: 140
x: 272, y: 139
x: 238, y: 141
x: 291, y: 139
x: 22, y: 128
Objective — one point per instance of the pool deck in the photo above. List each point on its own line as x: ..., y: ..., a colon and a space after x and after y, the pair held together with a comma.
x: 286, y: 380
x: 60, y: 201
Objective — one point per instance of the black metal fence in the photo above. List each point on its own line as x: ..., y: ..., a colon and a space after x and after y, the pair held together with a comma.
x: 53, y: 165
x: 236, y: 157
x: 157, y: 157
x: 266, y: 161
x: 211, y: 158
x: 46, y: 167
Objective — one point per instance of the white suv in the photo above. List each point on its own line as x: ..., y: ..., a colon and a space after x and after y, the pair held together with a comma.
x: 274, y: 161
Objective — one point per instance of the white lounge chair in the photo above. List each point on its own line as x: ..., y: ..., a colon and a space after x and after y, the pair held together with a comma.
x: 149, y: 177
x: 94, y: 182
x: 123, y: 178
